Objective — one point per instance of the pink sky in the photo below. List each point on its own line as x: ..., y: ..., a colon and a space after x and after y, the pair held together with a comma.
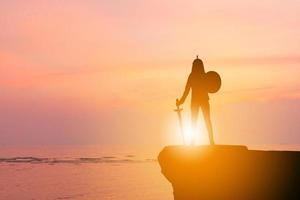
x: 108, y: 72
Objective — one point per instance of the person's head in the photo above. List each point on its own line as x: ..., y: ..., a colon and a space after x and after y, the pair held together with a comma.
x: 198, y: 66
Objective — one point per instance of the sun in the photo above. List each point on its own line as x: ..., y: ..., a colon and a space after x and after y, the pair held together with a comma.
x: 188, y: 135
x: 197, y: 136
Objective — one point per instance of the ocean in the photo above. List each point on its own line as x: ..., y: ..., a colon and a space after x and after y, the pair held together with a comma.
x: 87, y: 173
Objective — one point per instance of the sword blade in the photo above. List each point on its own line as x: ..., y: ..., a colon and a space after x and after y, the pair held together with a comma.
x: 178, y: 110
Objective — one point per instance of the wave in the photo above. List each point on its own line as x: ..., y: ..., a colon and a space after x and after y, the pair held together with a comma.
x: 103, y: 159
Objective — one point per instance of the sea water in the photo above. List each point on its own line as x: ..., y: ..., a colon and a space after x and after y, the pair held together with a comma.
x: 57, y: 173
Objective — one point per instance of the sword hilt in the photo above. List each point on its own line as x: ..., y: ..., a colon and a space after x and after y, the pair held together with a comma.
x: 177, y: 109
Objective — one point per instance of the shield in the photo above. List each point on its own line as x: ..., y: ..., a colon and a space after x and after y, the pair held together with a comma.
x: 212, y: 81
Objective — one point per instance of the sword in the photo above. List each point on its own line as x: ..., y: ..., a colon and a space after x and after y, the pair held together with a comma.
x: 178, y: 110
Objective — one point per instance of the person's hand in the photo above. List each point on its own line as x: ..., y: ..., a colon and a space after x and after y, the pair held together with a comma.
x: 178, y: 103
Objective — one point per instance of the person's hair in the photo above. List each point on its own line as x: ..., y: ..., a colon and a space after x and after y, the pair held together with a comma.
x: 198, y: 67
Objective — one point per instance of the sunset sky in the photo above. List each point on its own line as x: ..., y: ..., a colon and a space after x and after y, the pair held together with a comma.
x: 107, y: 72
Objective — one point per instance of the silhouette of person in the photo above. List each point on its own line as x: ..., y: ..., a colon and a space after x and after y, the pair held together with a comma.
x: 199, y: 98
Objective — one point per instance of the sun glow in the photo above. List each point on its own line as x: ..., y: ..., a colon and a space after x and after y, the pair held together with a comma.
x: 176, y: 136
x: 197, y: 136
x: 188, y: 135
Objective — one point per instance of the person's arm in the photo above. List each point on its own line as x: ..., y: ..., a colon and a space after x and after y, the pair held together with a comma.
x: 185, y: 93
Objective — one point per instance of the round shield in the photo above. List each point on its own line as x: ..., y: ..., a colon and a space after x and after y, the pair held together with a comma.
x: 212, y: 81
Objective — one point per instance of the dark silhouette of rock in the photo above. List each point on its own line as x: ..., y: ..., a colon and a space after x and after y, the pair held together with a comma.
x: 231, y: 173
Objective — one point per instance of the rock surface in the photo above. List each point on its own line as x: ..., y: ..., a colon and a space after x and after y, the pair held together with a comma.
x: 230, y: 172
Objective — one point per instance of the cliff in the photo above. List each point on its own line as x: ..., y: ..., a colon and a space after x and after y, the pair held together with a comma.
x: 230, y: 172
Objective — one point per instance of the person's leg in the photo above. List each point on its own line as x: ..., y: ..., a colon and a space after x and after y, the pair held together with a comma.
x: 206, y: 113
x: 194, y: 112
